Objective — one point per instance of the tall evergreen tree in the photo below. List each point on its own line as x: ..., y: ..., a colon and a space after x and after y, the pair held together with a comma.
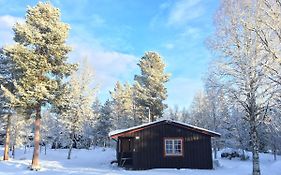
x: 199, y: 110
x: 8, y: 73
x: 41, y: 53
x: 104, y: 123
x: 149, y: 89
x: 185, y: 116
x: 122, y: 104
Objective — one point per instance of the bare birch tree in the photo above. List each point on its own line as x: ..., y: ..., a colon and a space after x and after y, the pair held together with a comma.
x: 244, y: 65
x: 75, y: 104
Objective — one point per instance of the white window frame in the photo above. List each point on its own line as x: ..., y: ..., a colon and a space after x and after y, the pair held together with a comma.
x: 173, y: 144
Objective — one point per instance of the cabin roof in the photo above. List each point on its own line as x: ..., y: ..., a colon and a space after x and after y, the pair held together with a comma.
x: 120, y: 132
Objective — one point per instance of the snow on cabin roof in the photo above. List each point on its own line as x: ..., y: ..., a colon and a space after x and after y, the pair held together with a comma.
x: 118, y: 131
x: 203, y: 130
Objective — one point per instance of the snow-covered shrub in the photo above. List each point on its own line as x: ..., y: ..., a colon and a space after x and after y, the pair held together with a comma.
x: 233, y: 153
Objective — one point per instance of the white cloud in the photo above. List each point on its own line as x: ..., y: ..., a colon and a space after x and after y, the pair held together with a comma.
x: 164, y: 5
x: 6, y: 24
x: 185, y: 10
x: 169, y: 46
x: 191, y: 32
x: 184, y: 40
x: 177, y: 13
x: 109, y: 66
x: 181, y: 91
x: 97, y: 20
x: 8, y: 21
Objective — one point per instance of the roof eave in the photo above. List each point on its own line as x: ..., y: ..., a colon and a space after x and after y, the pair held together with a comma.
x: 194, y: 128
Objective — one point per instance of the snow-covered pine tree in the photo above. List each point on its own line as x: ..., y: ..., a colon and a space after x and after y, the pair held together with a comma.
x: 199, y: 111
x: 122, y: 104
x: 41, y: 54
x: 185, y: 115
x: 90, y: 131
x: 75, y: 105
x: 8, y: 74
x: 174, y: 113
x: 149, y: 88
x: 104, y: 124
x: 177, y: 114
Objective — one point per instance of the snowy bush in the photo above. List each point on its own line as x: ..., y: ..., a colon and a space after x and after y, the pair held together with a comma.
x: 233, y: 153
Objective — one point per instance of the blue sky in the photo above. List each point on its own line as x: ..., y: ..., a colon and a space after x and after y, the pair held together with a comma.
x: 114, y: 34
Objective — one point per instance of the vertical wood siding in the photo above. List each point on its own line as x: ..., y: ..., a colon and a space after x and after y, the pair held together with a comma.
x: 149, y: 148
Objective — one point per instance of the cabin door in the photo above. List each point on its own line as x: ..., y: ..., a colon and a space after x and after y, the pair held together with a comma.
x: 126, y: 144
x: 126, y: 147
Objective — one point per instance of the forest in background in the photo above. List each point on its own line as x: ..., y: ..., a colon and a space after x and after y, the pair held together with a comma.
x: 47, y: 101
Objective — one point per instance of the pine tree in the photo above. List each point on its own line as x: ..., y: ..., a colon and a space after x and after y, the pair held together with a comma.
x: 185, y: 116
x: 174, y: 113
x: 8, y: 73
x: 41, y: 54
x: 122, y: 103
x: 104, y: 123
x: 149, y: 89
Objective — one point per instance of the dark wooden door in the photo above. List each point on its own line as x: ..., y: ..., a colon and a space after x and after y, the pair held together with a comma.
x: 127, y: 145
x: 126, y: 151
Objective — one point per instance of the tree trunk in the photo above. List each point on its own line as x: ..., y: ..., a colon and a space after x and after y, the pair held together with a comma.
x: 45, y: 149
x: 215, y: 129
x: 274, y: 149
x: 13, y: 151
x: 7, y: 139
x: 70, y: 149
x: 56, y: 145
x: 274, y: 152
x: 24, y: 149
x: 35, y: 159
x: 255, y: 148
x: 216, y: 152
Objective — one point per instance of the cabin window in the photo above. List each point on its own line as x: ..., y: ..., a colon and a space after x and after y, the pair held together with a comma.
x: 173, y: 147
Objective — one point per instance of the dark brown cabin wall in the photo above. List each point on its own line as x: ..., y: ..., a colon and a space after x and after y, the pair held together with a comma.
x: 173, y: 132
x: 117, y: 152
x: 149, y: 149
x: 208, y: 156
x: 200, y: 156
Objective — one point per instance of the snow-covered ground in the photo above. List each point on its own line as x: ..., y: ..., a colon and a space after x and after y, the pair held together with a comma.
x: 97, y: 162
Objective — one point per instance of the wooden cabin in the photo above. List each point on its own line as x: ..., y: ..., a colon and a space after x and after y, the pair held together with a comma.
x: 164, y: 144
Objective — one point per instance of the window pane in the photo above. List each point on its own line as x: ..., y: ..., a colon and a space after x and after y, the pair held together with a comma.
x: 169, y: 146
x: 178, y: 146
x: 169, y: 151
x: 173, y: 146
x: 169, y: 142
